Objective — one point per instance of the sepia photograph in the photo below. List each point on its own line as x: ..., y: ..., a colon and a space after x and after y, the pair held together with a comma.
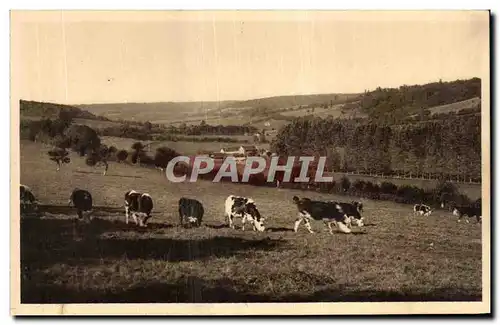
x: 246, y: 162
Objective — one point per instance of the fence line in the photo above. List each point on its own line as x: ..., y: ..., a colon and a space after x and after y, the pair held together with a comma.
x: 410, y: 178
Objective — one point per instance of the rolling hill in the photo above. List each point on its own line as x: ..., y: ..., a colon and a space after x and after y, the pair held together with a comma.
x: 218, y: 112
x: 389, y: 104
x: 35, y: 110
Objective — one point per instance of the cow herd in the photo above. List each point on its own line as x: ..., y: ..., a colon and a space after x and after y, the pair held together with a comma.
x: 139, y: 206
x: 461, y: 211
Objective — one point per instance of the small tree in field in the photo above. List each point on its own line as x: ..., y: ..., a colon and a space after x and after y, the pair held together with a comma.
x: 60, y: 156
x: 138, y: 152
x: 121, y: 155
x: 99, y: 157
x: 148, y: 126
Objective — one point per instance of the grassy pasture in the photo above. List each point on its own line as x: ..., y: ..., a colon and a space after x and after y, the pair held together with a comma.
x: 212, y: 120
x: 183, y: 147
x: 396, y: 257
x: 455, y: 107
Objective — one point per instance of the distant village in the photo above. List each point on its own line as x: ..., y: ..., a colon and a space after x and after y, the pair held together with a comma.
x: 241, y: 152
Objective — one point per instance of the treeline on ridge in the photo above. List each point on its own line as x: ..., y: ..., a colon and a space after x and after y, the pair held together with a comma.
x: 416, y: 98
x: 52, y: 110
x: 445, y: 148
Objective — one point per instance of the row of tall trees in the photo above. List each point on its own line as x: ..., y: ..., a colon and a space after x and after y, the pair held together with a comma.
x: 174, y: 133
x: 206, y: 129
x: 445, y: 147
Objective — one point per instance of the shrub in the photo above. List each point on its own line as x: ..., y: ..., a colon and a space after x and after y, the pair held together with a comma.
x: 411, y: 194
x: 142, y: 158
x: 446, y: 192
x: 388, y: 188
x: 138, y: 146
x: 371, y: 188
x: 181, y: 169
x: 82, y: 139
x: 163, y: 156
x: 359, y: 185
x: 147, y: 160
x: 121, y: 155
x: 345, y: 183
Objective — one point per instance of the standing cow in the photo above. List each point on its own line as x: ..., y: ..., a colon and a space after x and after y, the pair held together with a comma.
x: 469, y: 211
x: 82, y: 201
x: 139, y: 206
x: 27, y: 200
x: 191, y: 210
x: 329, y: 212
x: 353, y: 211
x: 237, y: 206
x: 422, y: 209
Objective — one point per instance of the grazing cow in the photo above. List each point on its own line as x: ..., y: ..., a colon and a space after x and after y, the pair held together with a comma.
x: 139, y: 206
x: 82, y: 200
x: 191, y: 210
x: 244, y: 208
x: 469, y: 211
x: 353, y: 211
x: 422, y: 209
x: 27, y: 199
x: 329, y: 212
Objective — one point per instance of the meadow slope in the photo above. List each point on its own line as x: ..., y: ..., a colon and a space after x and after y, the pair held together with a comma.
x: 396, y: 257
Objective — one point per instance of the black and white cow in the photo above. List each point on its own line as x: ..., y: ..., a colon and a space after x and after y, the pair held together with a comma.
x: 192, y: 210
x: 469, y: 211
x: 139, y: 206
x: 329, y: 212
x: 237, y: 206
x: 353, y: 211
x: 27, y: 199
x: 82, y: 201
x: 422, y: 209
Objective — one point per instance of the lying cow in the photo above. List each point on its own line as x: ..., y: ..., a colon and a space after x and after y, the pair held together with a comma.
x: 237, y: 206
x: 27, y: 199
x: 469, y: 211
x: 329, y: 212
x: 191, y: 210
x: 353, y: 211
x: 422, y: 209
x: 139, y: 206
x: 82, y: 201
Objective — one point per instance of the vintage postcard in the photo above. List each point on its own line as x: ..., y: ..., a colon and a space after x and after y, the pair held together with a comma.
x: 250, y: 162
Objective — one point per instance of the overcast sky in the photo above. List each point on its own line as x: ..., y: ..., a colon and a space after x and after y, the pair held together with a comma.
x: 98, y: 57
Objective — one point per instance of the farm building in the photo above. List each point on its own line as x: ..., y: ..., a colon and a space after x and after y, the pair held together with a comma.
x: 217, y: 155
x: 245, y: 150
x: 230, y: 150
x: 249, y: 150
